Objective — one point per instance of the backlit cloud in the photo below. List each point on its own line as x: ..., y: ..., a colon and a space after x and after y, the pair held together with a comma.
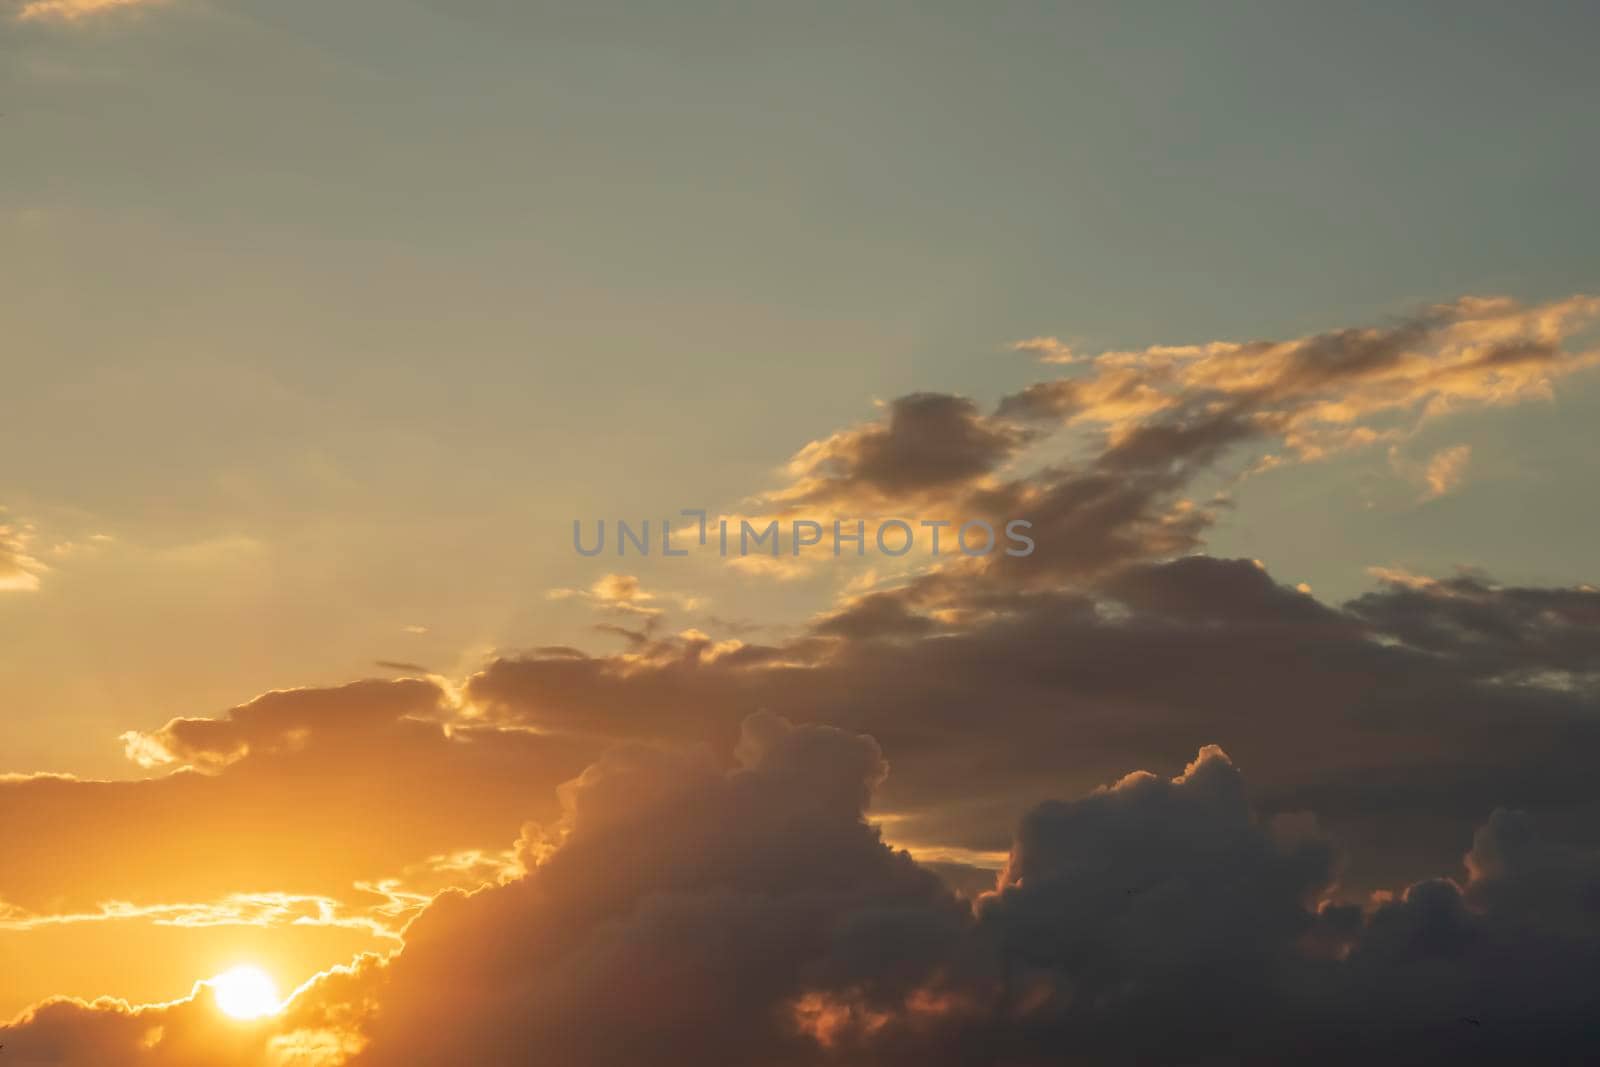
x: 685, y: 912
x: 282, y: 796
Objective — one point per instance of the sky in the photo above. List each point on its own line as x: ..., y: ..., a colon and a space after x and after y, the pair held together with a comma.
x: 324, y: 323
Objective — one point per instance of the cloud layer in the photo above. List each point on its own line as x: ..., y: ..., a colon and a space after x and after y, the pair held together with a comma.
x: 682, y: 912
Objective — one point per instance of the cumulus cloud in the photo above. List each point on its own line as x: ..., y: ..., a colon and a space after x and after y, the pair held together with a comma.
x: 318, y: 1028
x: 683, y: 911
x: 1402, y: 716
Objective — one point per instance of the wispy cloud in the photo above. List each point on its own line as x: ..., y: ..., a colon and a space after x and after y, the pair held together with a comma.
x: 73, y: 10
x: 1441, y: 473
x: 236, y: 909
x: 1047, y: 350
x: 1446, y: 470
x: 623, y: 594
x: 19, y: 571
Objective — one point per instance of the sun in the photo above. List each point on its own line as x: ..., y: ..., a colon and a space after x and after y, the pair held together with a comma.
x: 245, y: 993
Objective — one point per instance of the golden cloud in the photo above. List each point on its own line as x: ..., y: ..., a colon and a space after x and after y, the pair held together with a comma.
x: 74, y: 10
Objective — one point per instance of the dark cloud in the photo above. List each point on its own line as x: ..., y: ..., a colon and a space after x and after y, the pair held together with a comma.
x: 1487, y: 628
x: 1198, y: 589
x: 993, y: 697
x: 877, y: 616
x: 401, y: 665
x: 317, y: 1029
x: 1154, y: 920
x: 928, y: 443
x: 1193, y: 441
x: 683, y: 912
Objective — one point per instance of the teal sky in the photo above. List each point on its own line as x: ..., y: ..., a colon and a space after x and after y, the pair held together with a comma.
x: 329, y: 318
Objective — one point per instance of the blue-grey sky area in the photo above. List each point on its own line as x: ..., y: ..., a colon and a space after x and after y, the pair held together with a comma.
x: 323, y: 321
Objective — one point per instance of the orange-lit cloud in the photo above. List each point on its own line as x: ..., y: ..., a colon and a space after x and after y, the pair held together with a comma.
x: 1447, y: 469
x: 1047, y: 350
x: 302, y: 809
x: 318, y: 1027
x: 1145, y: 425
x: 623, y: 594
x: 1472, y: 352
x: 19, y: 571
x: 74, y: 10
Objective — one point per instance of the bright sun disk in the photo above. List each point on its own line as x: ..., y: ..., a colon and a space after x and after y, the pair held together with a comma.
x: 245, y: 993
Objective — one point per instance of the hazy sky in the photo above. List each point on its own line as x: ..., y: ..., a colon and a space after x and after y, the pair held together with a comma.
x: 320, y: 323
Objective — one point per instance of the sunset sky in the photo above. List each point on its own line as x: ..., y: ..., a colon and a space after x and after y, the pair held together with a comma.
x: 324, y: 322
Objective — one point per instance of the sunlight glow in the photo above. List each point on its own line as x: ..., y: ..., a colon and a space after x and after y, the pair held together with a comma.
x: 245, y: 993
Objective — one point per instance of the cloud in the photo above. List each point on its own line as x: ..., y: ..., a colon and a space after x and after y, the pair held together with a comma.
x: 1413, y: 713
x: 1446, y: 470
x: 142, y: 752
x: 312, y: 793
x: 623, y: 594
x: 1488, y: 630
x: 19, y: 571
x: 622, y: 588
x: 927, y: 444
x: 680, y: 910
x: 73, y: 10
x: 237, y: 909
x: 1326, y: 392
x: 1047, y: 350
x: 1147, y: 425
x: 1472, y: 350
x: 679, y: 892
x: 318, y: 1028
